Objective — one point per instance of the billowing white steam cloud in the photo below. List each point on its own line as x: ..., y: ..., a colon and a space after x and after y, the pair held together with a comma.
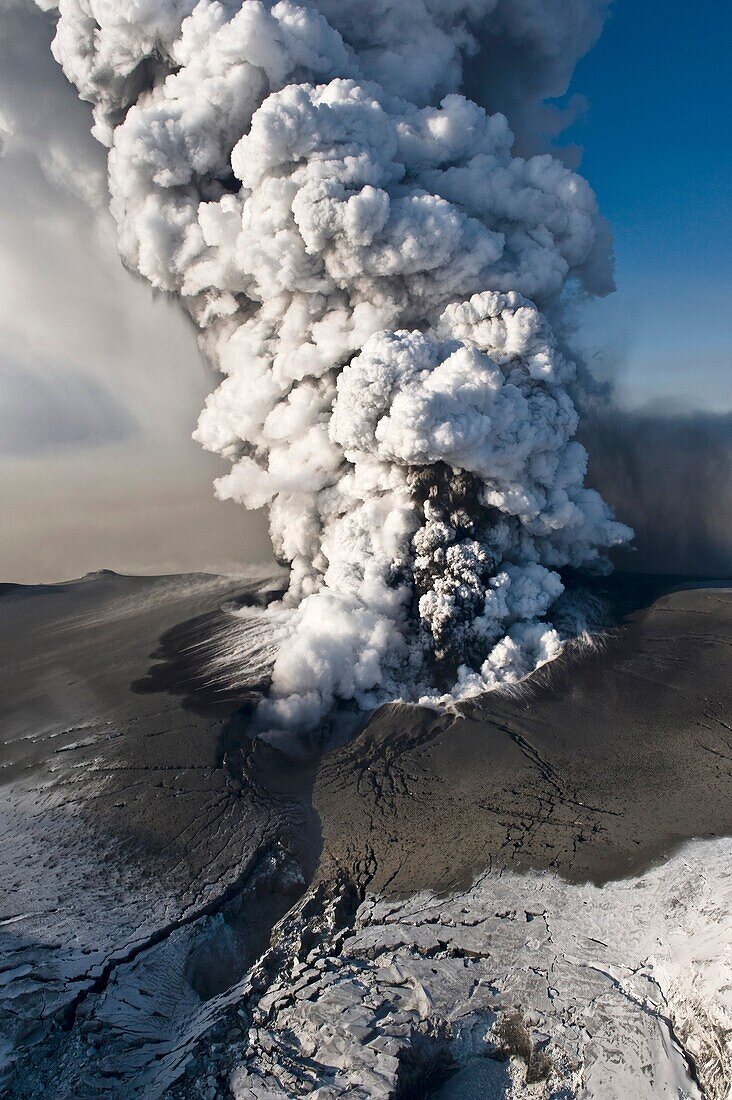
x: 371, y: 269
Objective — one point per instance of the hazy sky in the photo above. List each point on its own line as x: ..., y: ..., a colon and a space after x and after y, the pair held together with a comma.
x: 101, y: 383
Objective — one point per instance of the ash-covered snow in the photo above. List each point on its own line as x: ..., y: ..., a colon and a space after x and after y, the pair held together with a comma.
x: 521, y: 986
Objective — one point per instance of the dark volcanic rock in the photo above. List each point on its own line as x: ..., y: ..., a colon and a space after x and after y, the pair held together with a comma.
x: 600, y: 764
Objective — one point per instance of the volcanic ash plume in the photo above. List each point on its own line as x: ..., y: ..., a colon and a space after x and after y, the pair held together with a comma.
x: 372, y: 271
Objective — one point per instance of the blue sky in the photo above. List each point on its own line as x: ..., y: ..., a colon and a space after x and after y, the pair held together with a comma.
x: 657, y: 148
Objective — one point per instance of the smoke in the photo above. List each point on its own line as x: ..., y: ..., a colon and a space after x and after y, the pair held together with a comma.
x: 525, y: 55
x: 670, y: 475
x: 375, y: 273
x: 45, y: 406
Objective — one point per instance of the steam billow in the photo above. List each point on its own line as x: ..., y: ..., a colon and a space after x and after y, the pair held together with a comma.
x: 372, y: 271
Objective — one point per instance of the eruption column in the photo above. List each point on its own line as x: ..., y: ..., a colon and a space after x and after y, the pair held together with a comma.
x: 372, y: 270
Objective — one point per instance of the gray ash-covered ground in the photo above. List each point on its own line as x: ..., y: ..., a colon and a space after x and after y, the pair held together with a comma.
x: 141, y: 871
x: 601, y: 763
x: 190, y: 912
